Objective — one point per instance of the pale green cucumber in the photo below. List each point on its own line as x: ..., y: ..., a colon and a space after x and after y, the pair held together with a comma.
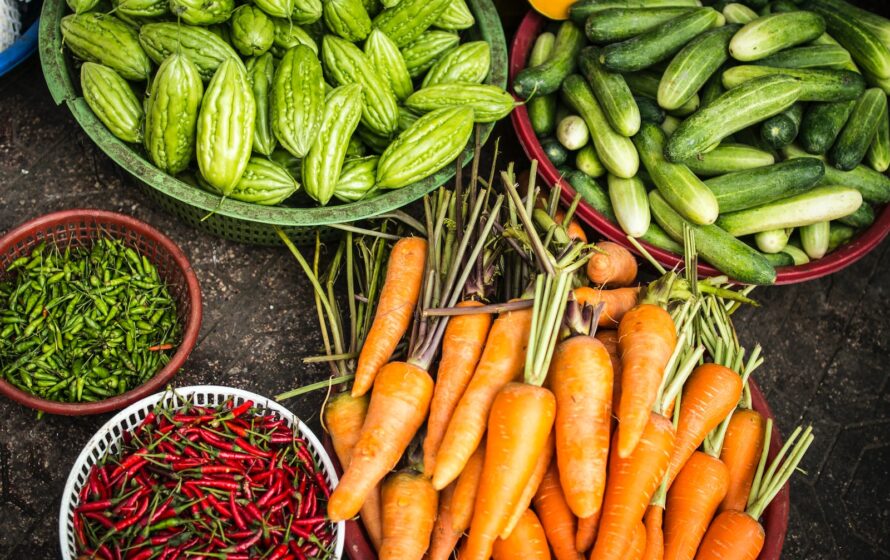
x: 738, y: 13
x: 572, y: 133
x: 587, y: 162
x: 729, y: 158
x: 772, y: 33
x: 878, y: 154
x: 866, y: 49
x: 814, y: 239
x: 810, y: 56
x: 630, y: 202
x: 772, y: 241
x: 796, y: 253
x: 612, y: 93
x: 618, y: 24
x: 693, y: 65
x: 646, y: 84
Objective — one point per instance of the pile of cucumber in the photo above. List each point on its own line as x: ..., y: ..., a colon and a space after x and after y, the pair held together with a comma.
x: 762, y: 125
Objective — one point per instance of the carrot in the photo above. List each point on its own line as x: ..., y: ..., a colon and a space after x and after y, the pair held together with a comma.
x: 461, y: 348
x: 556, y: 516
x: 409, y: 510
x: 586, y: 533
x: 526, y: 542
x: 709, y: 395
x: 444, y: 538
x: 638, y: 542
x: 741, y: 448
x: 612, y: 266
x: 581, y: 379
x: 646, y: 339
x: 518, y: 427
x: 501, y: 362
x: 574, y: 228
x: 456, y: 508
x: 733, y: 535
x: 691, y: 503
x: 630, y: 485
x: 398, y: 407
x: 609, y: 338
x: 654, y: 534
x: 615, y: 302
x: 528, y: 493
x: 344, y: 416
x: 399, y: 294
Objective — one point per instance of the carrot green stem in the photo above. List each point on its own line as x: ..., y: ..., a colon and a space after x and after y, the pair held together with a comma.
x: 551, y: 296
x: 570, y: 212
x: 494, y: 308
x: 330, y: 358
x: 768, y: 484
x: 544, y: 260
x: 646, y: 255
x: 364, y: 231
x: 314, y: 387
x: 405, y: 218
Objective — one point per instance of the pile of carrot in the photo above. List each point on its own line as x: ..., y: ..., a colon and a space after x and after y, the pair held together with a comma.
x: 586, y: 416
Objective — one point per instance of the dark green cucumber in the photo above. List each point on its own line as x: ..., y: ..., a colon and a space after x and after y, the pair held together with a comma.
x: 694, y: 65
x: 611, y: 91
x: 780, y: 130
x: 751, y: 102
x: 618, y: 24
x: 581, y: 10
x: 879, y: 151
x: 646, y: 84
x: 815, y: 84
x: 839, y: 234
x: 866, y: 49
x: 762, y: 185
x: 778, y: 259
x: 713, y: 88
x: 555, y: 152
x: 874, y: 186
x: 729, y: 158
x: 657, y: 237
x: 878, y: 25
x: 811, y: 56
x: 852, y: 144
x: 591, y: 192
x: 659, y: 43
x: 546, y: 78
x: 728, y: 254
x: 863, y: 217
x: 542, y: 108
x: 649, y: 109
x: 772, y: 33
x: 821, y: 124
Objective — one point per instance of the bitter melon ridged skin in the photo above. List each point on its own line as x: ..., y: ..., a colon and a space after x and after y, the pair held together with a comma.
x: 252, y: 31
x: 421, y: 54
x: 264, y: 182
x: 457, y: 16
x: 386, y: 58
x: 113, y: 101
x: 276, y: 8
x: 225, y: 127
x: 260, y: 74
x: 306, y: 11
x: 489, y: 103
x: 321, y: 168
x: 288, y: 35
x: 469, y: 62
x: 203, y: 47
x: 171, y: 114
x: 348, y: 19
x: 82, y: 6
x: 433, y: 142
x: 297, y: 100
x: 405, y: 21
x: 140, y: 8
x: 202, y: 12
x: 357, y: 179
x: 347, y: 64
x: 105, y: 39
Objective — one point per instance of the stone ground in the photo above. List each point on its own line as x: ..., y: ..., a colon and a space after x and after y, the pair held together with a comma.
x: 826, y: 343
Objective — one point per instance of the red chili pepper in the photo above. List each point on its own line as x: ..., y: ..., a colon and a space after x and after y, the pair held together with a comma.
x: 235, y: 456
x: 273, y: 491
x: 79, y: 534
x: 105, y: 552
x: 236, y: 512
x: 323, y: 484
x: 163, y: 539
x: 254, y: 512
x: 300, y: 531
x: 128, y: 463
x: 309, y: 521
x: 211, y: 483
x: 279, y: 552
x: 298, y: 552
x: 133, y: 519
x: 245, y: 544
x: 218, y: 506
x: 144, y: 555
x: 236, y: 428
x: 242, y: 408
x: 104, y: 521
x: 101, y: 505
x: 245, y: 446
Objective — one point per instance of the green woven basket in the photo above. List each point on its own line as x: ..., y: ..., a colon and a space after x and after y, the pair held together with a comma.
x: 240, y: 221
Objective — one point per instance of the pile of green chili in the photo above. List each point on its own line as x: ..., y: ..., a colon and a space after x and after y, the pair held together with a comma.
x: 81, y: 324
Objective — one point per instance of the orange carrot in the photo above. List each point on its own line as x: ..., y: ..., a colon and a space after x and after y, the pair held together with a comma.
x: 518, y: 427
x: 646, y: 339
x: 630, y: 485
x: 398, y: 407
x: 502, y: 361
x: 709, y: 395
x: 638, y: 542
x: 344, y: 416
x: 691, y: 503
x: 581, y: 380
x: 456, y: 508
x: 558, y: 520
x: 742, y: 446
x: 574, y: 228
x: 733, y: 535
x: 586, y: 534
x: 409, y: 510
x: 526, y: 542
x: 404, y: 275
x: 528, y: 493
x: 461, y: 348
x: 444, y: 538
x: 612, y: 266
x: 609, y: 338
x: 615, y: 302
x: 654, y: 535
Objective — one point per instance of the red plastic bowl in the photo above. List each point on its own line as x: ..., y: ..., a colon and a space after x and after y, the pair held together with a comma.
x: 775, y: 518
x: 532, y: 26
x: 80, y: 227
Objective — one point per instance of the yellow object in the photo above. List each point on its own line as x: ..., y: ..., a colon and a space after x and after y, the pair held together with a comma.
x: 553, y: 9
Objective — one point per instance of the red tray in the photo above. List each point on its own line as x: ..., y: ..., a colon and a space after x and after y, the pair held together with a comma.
x: 532, y: 26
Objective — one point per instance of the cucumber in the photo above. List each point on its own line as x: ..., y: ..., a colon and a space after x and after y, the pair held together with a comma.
x: 796, y: 253
x: 618, y: 24
x: 819, y: 204
x: 728, y: 254
x: 775, y: 32
x: 738, y: 13
x: 778, y: 259
x: 826, y: 39
x: 616, y: 152
x: 863, y: 217
x: 754, y: 187
x: 815, y: 84
x: 630, y: 204
x: 581, y: 10
x: 546, y: 78
x: 873, y: 81
x: 611, y: 91
x: 658, y: 43
x: 572, y: 132
x: 713, y: 88
x: 874, y: 186
x: 591, y: 192
x: 878, y: 25
x: 587, y: 162
x: 649, y: 110
x: 814, y: 239
x: 821, y: 124
x: 811, y: 56
x: 879, y: 150
x: 839, y: 234
x: 542, y: 108
x: 670, y: 124
x: 680, y: 187
x: 657, y: 237
x: 555, y: 152
x: 852, y: 144
x: 866, y: 49
x: 772, y: 241
x: 736, y: 109
x: 646, y: 84
x: 729, y: 158
x: 693, y: 66
x: 780, y: 130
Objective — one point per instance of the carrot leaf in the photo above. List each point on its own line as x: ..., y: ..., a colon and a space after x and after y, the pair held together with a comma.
x: 769, y: 483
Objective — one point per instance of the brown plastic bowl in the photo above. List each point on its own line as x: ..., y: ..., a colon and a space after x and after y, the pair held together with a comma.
x: 79, y: 227
x: 775, y: 518
x: 842, y: 257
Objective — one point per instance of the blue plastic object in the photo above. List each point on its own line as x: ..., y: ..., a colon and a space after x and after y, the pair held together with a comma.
x: 19, y: 51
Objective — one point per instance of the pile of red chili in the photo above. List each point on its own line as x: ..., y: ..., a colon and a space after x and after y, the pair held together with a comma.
x: 206, y: 482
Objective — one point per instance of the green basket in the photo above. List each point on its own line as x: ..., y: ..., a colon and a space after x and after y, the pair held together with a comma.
x: 235, y: 220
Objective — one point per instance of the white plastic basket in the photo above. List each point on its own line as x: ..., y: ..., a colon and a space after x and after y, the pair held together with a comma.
x: 109, y: 436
